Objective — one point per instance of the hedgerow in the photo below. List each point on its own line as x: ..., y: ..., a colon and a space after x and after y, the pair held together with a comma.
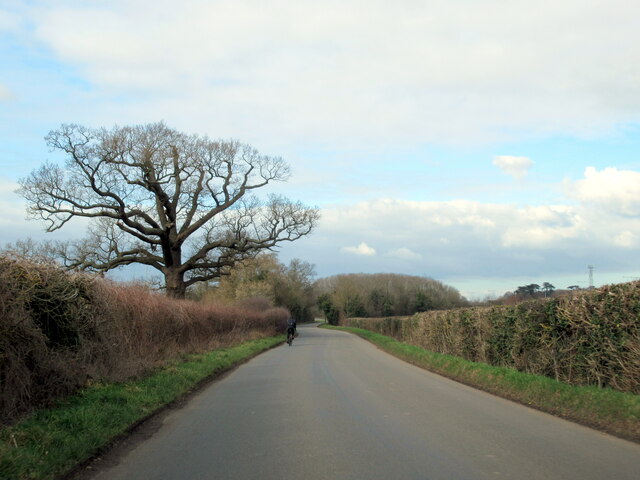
x: 60, y: 331
x: 587, y: 338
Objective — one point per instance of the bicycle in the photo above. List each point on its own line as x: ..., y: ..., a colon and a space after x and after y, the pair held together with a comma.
x: 290, y: 336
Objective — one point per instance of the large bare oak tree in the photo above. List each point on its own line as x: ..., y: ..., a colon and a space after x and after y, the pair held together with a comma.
x: 178, y: 203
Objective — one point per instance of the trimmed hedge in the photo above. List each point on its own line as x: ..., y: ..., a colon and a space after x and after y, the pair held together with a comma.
x: 60, y: 331
x: 587, y: 338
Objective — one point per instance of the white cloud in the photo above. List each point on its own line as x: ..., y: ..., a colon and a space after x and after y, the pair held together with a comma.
x: 15, y: 226
x: 9, y: 21
x: 7, y: 187
x: 472, y: 239
x: 543, y: 227
x: 517, y: 167
x: 617, y: 191
x: 626, y: 239
x: 362, y: 249
x: 366, y: 70
x: 456, y: 225
x: 13, y: 215
x: 5, y: 93
x: 404, y: 254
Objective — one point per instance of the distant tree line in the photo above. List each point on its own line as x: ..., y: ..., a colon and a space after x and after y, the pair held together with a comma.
x: 535, y: 290
x: 382, y: 295
x: 263, y: 282
x: 529, y: 292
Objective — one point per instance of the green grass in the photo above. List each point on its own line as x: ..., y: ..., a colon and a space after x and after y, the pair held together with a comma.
x: 608, y: 410
x: 52, y: 442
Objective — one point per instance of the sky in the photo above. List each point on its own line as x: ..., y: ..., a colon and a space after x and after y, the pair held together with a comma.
x: 486, y: 144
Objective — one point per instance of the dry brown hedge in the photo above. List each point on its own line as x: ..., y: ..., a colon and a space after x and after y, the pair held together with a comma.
x: 588, y: 338
x: 60, y: 331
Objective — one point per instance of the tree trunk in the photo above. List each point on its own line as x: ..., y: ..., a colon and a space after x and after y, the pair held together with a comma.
x: 174, y: 281
x: 173, y: 277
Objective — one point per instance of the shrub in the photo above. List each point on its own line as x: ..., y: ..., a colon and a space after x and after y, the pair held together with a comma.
x: 59, y: 331
x: 589, y: 338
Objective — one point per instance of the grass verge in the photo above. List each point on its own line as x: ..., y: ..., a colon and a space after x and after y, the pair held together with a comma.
x: 607, y: 410
x: 52, y: 442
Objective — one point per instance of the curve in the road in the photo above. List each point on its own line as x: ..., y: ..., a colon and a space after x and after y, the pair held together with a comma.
x: 333, y: 406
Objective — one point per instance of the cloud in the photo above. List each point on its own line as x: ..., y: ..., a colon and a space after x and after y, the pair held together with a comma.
x: 15, y: 226
x: 404, y: 254
x: 617, y: 191
x: 5, y: 93
x: 13, y: 222
x: 422, y: 226
x: 472, y: 239
x: 626, y: 239
x: 8, y: 187
x: 544, y: 227
x: 9, y: 20
x: 517, y: 167
x: 362, y: 249
x: 367, y: 70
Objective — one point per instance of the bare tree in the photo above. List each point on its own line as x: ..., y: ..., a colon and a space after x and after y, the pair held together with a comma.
x: 178, y: 203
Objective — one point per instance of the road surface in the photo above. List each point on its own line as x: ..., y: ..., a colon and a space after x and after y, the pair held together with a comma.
x: 333, y: 406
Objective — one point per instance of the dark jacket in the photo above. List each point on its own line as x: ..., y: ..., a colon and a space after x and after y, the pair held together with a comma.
x: 291, y: 323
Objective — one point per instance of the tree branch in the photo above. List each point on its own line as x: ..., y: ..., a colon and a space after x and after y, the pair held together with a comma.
x: 148, y: 188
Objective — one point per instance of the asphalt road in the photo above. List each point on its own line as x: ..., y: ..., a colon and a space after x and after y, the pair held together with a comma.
x: 333, y: 406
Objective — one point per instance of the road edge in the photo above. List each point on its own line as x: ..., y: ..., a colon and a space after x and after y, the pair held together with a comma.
x: 30, y: 431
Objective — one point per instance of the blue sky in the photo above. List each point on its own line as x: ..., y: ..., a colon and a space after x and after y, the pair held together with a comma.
x: 486, y: 144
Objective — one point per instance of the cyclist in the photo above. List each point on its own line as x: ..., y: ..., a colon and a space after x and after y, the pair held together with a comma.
x: 291, y: 330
